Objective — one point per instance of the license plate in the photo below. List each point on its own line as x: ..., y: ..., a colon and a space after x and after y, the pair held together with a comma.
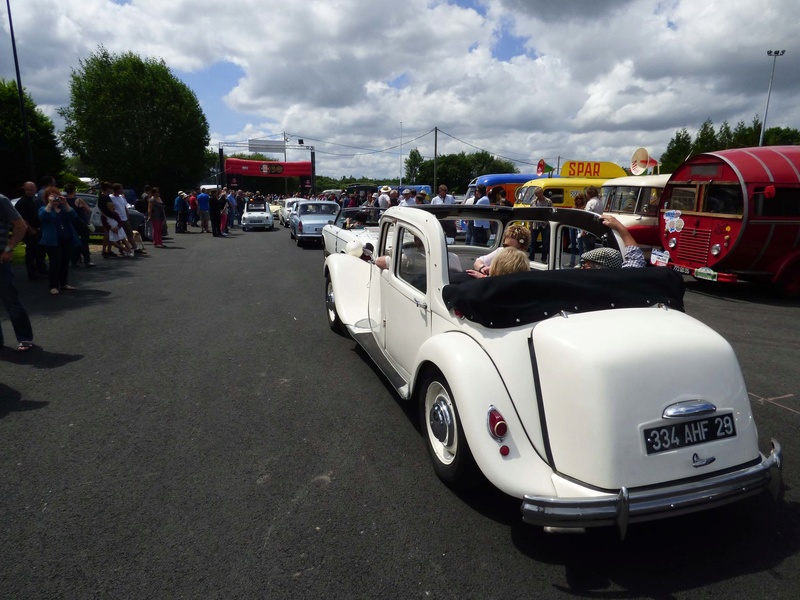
x: 689, y: 433
x: 684, y: 270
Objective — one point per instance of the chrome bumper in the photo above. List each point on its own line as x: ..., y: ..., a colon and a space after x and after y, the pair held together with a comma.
x: 658, y: 503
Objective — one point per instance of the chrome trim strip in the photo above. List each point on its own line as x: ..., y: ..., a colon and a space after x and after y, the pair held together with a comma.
x: 688, y: 408
x: 631, y: 506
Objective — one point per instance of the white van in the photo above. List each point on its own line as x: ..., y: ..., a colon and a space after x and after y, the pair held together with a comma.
x: 634, y: 201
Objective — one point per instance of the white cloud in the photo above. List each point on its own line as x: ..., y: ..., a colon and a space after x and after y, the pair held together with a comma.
x: 597, y: 79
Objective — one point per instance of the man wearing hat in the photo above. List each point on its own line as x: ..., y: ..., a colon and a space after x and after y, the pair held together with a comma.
x: 608, y: 258
x: 181, y: 208
x: 384, y: 201
x: 406, y: 199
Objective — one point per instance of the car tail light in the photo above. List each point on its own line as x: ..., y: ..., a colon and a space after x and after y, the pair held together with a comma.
x: 299, y: 226
x: 498, y: 428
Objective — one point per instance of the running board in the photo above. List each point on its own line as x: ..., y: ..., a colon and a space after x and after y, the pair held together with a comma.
x: 367, y: 341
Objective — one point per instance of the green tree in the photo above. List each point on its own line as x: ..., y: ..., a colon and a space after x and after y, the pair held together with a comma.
x: 457, y: 170
x: 132, y: 121
x: 412, y: 165
x: 47, y: 156
x: 781, y: 136
x: 678, y: 150
x: 706, y: 138
x: 725, y: 136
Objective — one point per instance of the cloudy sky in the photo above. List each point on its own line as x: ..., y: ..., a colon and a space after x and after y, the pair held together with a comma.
x: 365, y: 81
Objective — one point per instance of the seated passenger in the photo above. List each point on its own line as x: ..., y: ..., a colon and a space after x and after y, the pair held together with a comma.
x: 634, y: 257
x: 515, y: 236
x: 507, y: 260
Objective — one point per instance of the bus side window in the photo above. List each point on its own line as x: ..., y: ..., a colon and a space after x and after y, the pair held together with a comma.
x: 786, y: 203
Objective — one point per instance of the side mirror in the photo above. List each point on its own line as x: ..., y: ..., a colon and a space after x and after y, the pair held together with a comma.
x: 769, y: 192
x: 330, y: 222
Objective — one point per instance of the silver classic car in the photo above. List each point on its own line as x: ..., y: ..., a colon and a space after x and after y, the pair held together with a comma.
x: 584, y: 393
x: 308, y: 218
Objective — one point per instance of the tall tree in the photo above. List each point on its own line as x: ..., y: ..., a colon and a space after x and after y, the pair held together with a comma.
x: 47, y: 156
x: 746, y: 136
x: 132, y: 121
x: 725, y: 136
x: 412, y: 164
x: 678, y: 150
x: 706, y: 138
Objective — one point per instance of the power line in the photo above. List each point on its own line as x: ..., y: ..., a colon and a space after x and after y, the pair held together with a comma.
x: 367, y: 151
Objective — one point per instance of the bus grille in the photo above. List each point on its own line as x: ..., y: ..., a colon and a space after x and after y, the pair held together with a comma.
x: 694, y: 245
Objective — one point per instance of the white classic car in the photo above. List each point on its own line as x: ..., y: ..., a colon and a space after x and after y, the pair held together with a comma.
x: 360, y: 223
x: 257, y: 214
x: 584, y: 393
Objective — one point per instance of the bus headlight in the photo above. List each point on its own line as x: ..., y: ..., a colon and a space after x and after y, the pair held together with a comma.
x: 673, y: 242
x: 715, y: 250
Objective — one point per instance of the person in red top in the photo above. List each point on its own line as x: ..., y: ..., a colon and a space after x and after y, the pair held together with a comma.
x: 193, y: 208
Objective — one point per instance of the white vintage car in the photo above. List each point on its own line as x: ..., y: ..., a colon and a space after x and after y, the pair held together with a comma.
x: 588, y: 394
x: 257, y: 215
x: 360, y: 223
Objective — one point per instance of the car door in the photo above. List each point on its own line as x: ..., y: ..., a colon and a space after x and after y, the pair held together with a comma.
x: 405, y: 299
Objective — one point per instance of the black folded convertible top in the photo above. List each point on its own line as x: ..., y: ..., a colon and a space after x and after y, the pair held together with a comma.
x: 520, y: 298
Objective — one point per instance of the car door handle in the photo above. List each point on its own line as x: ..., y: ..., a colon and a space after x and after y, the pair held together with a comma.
x: 422, y: 305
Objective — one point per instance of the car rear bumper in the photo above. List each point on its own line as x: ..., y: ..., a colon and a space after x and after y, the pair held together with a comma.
x: 634, y: 506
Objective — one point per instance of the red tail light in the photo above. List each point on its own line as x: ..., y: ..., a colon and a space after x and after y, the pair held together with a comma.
x: 299, y: 227
x: 498, y: 428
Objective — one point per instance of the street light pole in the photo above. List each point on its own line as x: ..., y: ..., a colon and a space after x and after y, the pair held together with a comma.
x: 23, y: 112
x: 774, y: 54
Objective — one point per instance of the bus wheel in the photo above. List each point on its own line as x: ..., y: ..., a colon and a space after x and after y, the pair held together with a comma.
x: 789, y: 284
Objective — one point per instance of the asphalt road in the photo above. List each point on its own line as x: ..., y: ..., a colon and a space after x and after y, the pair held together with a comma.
x: 189, y: 427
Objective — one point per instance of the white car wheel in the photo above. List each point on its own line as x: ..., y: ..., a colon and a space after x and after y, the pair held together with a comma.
x: 441, y: 427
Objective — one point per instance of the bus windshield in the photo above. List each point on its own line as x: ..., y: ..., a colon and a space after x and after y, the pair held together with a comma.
x: 709, y: 198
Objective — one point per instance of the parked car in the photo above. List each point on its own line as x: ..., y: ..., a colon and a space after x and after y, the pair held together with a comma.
x: 351, y: 224
x: 526, y: 379
x: 257, y: 214
x: 308, y: 218
x: 286, y: 210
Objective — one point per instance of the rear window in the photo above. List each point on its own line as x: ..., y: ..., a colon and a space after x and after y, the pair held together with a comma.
x: 256, y: 207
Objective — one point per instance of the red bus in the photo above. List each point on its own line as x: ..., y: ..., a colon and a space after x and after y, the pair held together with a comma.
x: 735, y: 215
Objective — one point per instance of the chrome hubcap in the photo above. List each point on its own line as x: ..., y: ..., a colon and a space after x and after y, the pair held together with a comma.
x: 441, y: 421
x: 330, y: 303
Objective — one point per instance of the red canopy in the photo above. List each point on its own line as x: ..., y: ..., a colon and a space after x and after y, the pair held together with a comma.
x: 267, y: 168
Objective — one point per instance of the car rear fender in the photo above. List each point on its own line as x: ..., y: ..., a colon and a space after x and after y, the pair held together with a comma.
x: 350, y: 279
x: 477, y: 385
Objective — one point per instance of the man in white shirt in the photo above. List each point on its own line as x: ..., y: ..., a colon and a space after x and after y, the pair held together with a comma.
x: 384, y: 201
x: 443, y: 197
x: 406, y: 199
x: 121, y: 206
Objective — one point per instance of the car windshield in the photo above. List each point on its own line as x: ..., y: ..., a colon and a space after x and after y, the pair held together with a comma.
x: 353, y: 218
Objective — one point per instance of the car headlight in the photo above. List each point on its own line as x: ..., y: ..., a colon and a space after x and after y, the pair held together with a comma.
x: 715, y: 250
x: 673, y: 242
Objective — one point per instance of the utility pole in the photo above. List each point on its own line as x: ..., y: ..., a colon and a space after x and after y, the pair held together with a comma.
x: 400, y: 185
x: 435, y: 152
